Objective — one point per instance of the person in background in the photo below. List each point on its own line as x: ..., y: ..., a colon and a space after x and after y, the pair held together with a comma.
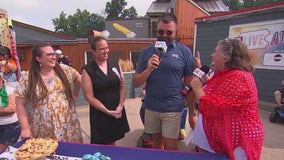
x: 62, y: 59
x: 146, y: 138
x: 228, y: 120
x: 142, y: 109
x: 279, y: 95
x: 10, y: 66
x: 182, y: 132
x: 9, y: 126
x: 104, y: 89
x: 163, y: 76
x: 51, y: 89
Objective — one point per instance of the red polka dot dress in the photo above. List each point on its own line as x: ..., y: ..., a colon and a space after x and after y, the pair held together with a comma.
x: 230, y: 113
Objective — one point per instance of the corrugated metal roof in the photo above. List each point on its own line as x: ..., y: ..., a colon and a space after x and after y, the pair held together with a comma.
x: 158, y: 7
x: 278, y: 6
x: 26, y: 33
x: 210, y: 6
x: 213, y: 6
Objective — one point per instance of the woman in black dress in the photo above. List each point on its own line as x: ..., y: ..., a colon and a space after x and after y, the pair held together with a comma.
x: 104, y: 88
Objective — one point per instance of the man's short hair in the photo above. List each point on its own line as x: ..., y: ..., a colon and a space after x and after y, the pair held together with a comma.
x: 167, y: 18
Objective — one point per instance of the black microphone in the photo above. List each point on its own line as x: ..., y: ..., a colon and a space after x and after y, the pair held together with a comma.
x: 199, y: 73
x: 205, y: 69
x: 161, y: 47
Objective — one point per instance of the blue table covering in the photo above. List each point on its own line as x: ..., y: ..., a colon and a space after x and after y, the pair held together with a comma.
x: 127, y: 153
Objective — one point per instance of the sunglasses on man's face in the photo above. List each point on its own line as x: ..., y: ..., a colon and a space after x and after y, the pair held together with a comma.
x: 162, y: 32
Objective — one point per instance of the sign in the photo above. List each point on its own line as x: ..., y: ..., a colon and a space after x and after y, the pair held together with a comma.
x: 273, y: 59
x: 264, y: 41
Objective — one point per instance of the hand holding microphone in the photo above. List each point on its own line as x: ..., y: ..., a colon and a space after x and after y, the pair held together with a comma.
x: 197, y: 82
x: 202, y: 73
x: 200, y: 76
x: 155, y: 60
x: 161, y: 48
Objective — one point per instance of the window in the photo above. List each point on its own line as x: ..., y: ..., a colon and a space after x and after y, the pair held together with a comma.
x: 154, y: 29
x: 134, y: 58
x: 138, y: 25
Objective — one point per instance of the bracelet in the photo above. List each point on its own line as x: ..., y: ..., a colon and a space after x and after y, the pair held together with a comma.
x: 6, y: 63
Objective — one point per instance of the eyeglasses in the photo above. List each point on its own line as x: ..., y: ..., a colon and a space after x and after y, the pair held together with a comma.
x: 162, y: 32
x: 51, y: 54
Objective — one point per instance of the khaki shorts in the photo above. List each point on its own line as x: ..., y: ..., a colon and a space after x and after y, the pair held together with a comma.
x: 166, y: 123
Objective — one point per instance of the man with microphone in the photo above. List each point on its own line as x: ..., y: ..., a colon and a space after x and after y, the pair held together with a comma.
x: 162, y: 66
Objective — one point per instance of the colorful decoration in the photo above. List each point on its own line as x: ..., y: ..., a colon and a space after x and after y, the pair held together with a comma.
x: 124, y: 30
x: 96, y: 156
x: 4, y: 33
x: 14, y: 48
x: 7, y: 38
x: 94, y: 33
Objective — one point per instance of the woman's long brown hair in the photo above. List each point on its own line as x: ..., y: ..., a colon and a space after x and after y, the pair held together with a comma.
x: 35, y: 79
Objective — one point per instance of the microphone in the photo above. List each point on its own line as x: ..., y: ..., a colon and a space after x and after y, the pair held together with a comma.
x: 161, y: 47
x: 199, y: 73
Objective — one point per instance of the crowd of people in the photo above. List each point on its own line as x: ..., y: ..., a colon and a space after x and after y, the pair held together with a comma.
x: 43, y: 102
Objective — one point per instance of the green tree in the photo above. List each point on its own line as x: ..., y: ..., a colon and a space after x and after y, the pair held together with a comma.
x: 129, y: 13
x: 254, y: 3
x: 78, y: 24
x: 234, y: 5
x: 115, y: 9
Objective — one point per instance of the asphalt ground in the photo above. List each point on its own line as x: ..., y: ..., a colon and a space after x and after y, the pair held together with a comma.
x: 273, y: 147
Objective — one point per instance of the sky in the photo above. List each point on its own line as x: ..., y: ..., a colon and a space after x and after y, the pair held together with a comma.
x: 41, y: 12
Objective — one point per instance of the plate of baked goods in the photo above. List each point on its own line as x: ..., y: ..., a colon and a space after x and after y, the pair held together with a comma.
x: 36, y: 148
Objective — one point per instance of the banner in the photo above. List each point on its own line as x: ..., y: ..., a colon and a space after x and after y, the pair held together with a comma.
x: 8, y: 39
x: 264, y: 41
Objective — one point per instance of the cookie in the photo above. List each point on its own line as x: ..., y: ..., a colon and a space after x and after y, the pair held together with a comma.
x: 35, y: 148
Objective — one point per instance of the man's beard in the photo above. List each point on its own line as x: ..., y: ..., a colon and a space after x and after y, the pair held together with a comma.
x: 168, y: 40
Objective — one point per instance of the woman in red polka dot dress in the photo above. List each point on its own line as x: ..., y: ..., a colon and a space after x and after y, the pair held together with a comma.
x: 228, y: 121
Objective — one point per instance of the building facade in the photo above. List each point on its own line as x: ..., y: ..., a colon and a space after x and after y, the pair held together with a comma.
x: 259, y: 28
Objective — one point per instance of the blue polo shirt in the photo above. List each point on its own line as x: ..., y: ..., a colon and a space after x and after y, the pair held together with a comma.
x: 164, y: 85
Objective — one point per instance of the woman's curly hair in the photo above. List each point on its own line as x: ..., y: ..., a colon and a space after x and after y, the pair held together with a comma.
x: 237, y: 53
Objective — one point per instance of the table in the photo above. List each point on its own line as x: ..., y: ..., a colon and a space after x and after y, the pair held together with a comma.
x: 128, y: 153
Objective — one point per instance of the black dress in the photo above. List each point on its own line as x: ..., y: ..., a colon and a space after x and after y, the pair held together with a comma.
x: 106, y: 129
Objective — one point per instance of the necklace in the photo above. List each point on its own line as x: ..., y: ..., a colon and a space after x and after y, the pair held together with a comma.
x: 48, y: 77
x: 49, y: 81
